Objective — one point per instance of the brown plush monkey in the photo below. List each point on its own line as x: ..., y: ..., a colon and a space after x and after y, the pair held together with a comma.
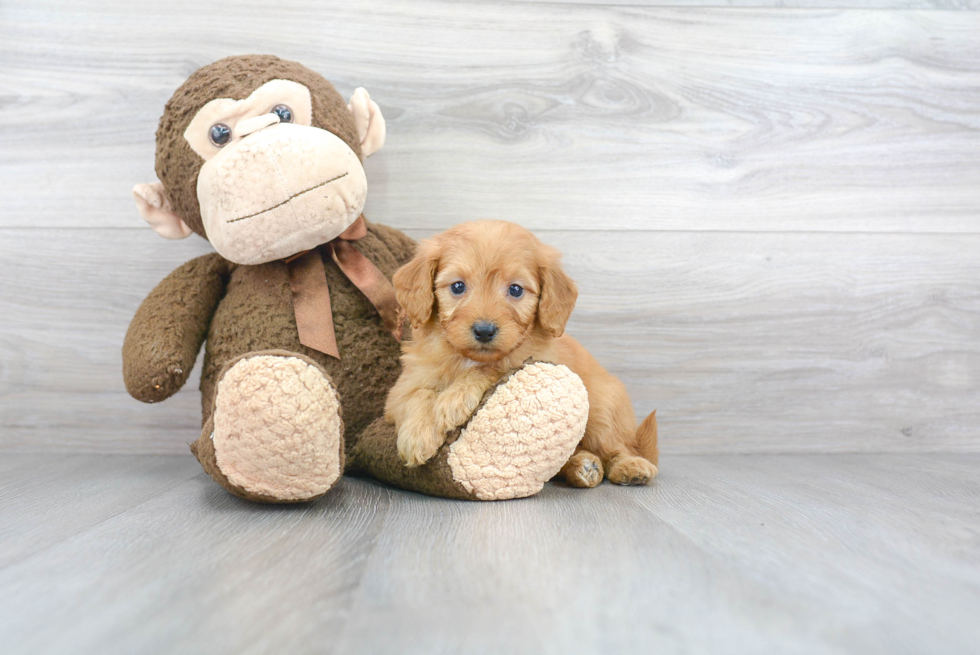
x: 262, y: 157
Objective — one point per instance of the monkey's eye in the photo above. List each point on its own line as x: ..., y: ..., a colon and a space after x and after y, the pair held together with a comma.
x: 220, y: 134
x: 516, y: 290
x: 284, y: 113
x: 457, y: 288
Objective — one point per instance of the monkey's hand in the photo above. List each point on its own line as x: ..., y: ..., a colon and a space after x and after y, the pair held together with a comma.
x: 168, y: 329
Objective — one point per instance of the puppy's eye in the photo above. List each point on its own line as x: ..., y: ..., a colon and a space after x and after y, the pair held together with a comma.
x: 516, y: 290
x: 458, y: 288
x: 284, y: 113
x: 220, y: 134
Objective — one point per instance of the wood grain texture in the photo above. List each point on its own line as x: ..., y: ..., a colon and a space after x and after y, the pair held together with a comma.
x: 724, y: 554
x: 559, y: 116
x: 195, y: 567
x: 772, y: 213
x: 746, y: 342
x: 46, y: 499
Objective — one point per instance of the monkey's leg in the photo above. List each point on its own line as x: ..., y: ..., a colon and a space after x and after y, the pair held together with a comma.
x: 275, y: 434
x: 519, y: 437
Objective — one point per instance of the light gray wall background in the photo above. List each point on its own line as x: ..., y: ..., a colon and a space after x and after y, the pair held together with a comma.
x: 772, y: 208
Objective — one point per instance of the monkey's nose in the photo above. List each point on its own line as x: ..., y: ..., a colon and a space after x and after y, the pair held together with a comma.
x: 484, y: 331
x: 254, y: 124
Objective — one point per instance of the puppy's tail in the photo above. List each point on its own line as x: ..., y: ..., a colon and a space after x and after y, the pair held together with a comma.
x: 646, y: 438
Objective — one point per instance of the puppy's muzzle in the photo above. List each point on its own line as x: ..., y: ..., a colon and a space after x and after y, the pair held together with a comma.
x: 484, y: 331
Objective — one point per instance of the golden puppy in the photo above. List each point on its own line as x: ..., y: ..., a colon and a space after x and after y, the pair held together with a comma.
x: 482, y: 298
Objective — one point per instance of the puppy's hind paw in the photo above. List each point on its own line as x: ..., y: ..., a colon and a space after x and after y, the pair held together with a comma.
x: 631, y: 470
x: 583, y: 470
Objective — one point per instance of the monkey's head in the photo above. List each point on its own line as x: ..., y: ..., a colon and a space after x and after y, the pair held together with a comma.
x: 262, y: 157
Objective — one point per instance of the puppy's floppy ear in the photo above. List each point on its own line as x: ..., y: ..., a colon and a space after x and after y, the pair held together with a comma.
x: 557, y: 295
x: 414, y: 281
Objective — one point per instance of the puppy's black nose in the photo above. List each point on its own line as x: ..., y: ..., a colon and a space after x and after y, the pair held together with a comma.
x: 484, y: 331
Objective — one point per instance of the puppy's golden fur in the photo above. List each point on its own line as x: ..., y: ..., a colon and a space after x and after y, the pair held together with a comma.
x: 448, y: 364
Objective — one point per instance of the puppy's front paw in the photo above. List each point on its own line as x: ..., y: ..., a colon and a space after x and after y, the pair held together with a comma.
x: 418, y: 443
x: 454, y: 406
x: 631, y: 470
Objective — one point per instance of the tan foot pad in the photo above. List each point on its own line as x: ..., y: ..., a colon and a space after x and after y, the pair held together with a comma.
x: 277, y: 428
x: 523, y: 435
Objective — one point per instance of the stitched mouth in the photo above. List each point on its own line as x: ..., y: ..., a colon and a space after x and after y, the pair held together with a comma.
x: 292, y: 197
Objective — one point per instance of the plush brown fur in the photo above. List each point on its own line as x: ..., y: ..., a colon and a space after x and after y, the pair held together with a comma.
x: 447, y: 370
x: 240, y: 309
x: 244, y: 309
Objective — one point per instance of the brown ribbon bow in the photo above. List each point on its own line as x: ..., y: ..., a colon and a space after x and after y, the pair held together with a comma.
x: 311, y: 295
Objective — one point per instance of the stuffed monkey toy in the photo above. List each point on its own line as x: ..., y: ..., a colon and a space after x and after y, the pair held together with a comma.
x: 263, y: 158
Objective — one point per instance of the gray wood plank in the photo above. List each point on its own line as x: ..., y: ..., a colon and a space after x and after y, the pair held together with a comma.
x: 767, y: 342
x: 723, y: 554
x: 860, y: 534
x: 564, y: 116
x: 47, y: 498
x: 196, y: 570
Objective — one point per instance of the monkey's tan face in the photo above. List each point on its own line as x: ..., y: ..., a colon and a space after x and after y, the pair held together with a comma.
x: 272, y: 185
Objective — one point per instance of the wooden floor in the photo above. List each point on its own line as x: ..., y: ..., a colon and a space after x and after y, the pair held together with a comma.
x: 724, y: 554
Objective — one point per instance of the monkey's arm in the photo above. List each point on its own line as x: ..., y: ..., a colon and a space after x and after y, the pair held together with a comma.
x: 168, y: 329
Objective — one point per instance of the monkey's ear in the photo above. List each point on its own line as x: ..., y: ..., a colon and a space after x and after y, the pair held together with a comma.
x: 369, y: 121
x: 155, y: 210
